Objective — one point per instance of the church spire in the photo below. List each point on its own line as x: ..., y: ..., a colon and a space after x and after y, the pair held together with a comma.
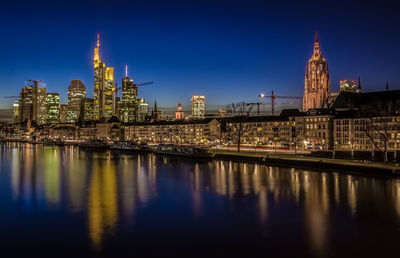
x: 317, y: 51
x: 317, y: 85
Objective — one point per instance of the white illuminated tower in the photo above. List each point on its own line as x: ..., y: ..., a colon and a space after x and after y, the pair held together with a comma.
x: 198, y: 106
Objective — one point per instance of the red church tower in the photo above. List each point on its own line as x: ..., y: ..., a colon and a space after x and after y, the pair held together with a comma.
x: 316, y: 85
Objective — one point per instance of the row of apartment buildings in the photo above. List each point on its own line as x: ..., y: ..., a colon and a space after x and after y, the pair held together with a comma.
x: 351, y: 121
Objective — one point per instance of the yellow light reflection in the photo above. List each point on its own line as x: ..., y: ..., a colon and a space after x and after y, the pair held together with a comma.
x: 102, y: 210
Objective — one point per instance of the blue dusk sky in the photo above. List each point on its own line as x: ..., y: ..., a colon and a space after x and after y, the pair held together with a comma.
x: 227, y: 50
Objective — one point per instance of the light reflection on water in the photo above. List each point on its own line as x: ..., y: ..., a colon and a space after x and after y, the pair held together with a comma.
x: 111, y: 190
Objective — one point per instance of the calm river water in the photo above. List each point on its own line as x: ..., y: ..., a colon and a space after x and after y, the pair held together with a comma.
x: 68, y: 202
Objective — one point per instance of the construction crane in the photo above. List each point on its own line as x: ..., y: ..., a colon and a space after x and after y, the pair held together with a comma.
x: 135, y: 84
x: 11, y: 97
x: 138, y: 84
x: 273, y: 97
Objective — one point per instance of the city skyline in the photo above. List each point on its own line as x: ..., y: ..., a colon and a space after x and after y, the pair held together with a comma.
x: 199, y: 128
x: 217, y: 68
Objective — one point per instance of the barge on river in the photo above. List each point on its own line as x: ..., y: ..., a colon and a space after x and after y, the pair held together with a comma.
x: 184, y: 151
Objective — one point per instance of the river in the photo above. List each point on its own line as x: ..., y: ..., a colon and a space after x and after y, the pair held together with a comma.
x: 69, y: 202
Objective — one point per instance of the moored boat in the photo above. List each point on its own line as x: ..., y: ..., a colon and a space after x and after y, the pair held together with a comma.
x: 185, y: 151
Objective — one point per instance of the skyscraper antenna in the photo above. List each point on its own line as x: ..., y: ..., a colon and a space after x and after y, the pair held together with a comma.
x: 126, y: 70
x: 98, y: 39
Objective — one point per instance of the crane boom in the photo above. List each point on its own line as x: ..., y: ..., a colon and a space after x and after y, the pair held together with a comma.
x: 144, y: 83
x: 273, y: 97
x: 11, y: 97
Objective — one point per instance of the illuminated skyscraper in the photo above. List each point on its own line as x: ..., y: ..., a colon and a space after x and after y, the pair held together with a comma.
x: 32, y: 102
x: 25, y: 104
x: 143, y: 110
x: 117, y: 107
x: 103, y: 93
x: 16, y: 111
x: 88, y: 109
x: 316, y: 85
x: 63, y: 113
x: 76, y: 96
x: 198, y: 106
x: 349, y: 86
x: 52, y: 108
x: 129, y: 103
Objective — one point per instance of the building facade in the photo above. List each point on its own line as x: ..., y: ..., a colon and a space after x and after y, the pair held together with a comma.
x: 198, y: 106
x: 143, y: 110
x: 63, y: 113
x: 349, y: 86
x: 316, y: 82
x: 53, y: 108
x: 367, y: 133
x: 317, y: 131
x: 103, y: 93
x: 88, y: 109
x: 129, y: 102
x: 198, y: 132
x: 16, y: 111
x: 267, y: 131
x: 76, y: 96
x: 32, y: 102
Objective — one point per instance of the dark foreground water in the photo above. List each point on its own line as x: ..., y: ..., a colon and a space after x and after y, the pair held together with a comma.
x: 67, y: 202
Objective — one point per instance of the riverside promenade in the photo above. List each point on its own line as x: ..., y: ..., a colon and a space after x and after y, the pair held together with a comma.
x: 316, y: 163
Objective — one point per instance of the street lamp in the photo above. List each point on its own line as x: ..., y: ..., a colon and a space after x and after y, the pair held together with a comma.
x: 334, y: 150
x: 352, y: 150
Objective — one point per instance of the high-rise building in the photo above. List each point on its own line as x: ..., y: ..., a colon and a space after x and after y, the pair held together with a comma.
x: 198, y: 106
x: 117, y: 107
x: 179, y: 114
x: 349, y: 86
x: 316, y: 85
x: 25, y: 104
x: 129, y: 103
x: 32, y: 102
x: 52, y: 108
x: 143, y: 110
x: 16, y: 111
x: 88, y: 110
x: 63, y: 113
x: 103, y: 93
x: 76, y: 96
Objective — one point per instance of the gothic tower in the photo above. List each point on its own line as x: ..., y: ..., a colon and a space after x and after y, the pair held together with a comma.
x: 316, y: 83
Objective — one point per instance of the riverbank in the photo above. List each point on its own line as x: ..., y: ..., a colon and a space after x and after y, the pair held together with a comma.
x: 282, y: 160
x: 308, y: 162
